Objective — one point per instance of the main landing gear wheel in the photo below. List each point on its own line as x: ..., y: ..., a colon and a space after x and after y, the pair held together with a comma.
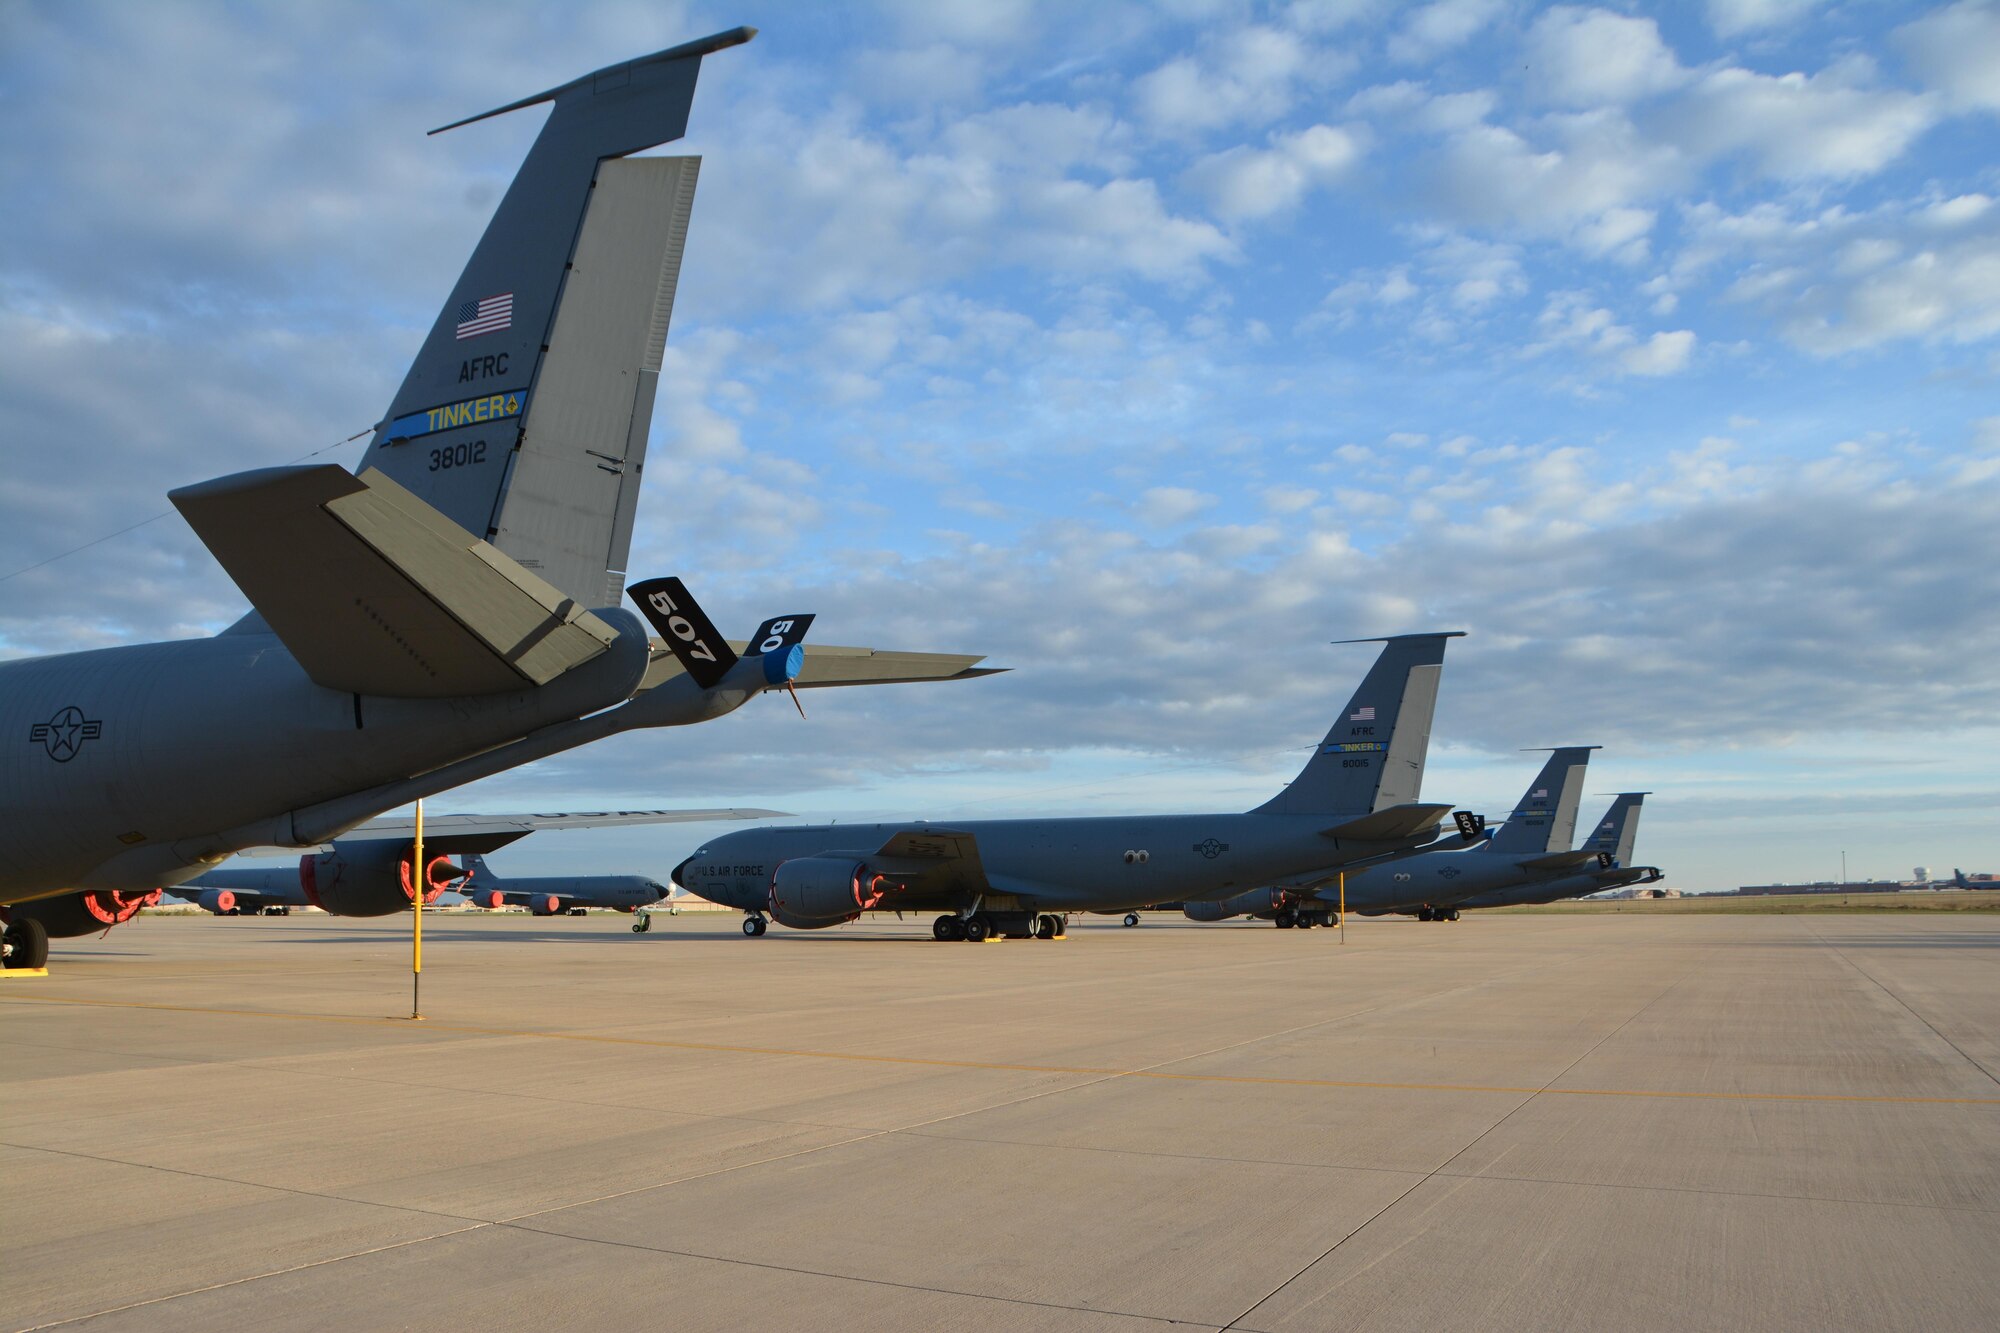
x: 948, y: 928
x: 976, y: 929
x: 1452, y: 915
x: 1046, y: 927
x: 1426, y: 914
x: 27, y: 944
x: 1131, y: 918
x: 753, y: 926
x: 1284, y: 919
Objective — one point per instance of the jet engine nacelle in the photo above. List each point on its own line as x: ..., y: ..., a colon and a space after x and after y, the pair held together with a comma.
x: 545, y: 904
x: 217, y: 901
x: 85, y: 913
x: 370, y: 878
x: 492, y: 898
x: 811, y: 892
x: 1254, y: 903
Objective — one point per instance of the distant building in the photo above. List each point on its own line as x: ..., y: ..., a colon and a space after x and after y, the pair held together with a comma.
x: 1826, y: 886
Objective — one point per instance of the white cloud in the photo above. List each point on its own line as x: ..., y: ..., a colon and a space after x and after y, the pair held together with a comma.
x: 1441, y: 26
x: 1835, y: 282
x: 1289, y: 499
x: 1661, y: 354
x: 1591, y: 57
x: 1587, y: 186
x: 1244, y: 184
x: 1250, y: 76
x: 928, y: 75
x: 1167, y: 506
x: 1731, y: 18
x: 1569, y: 319
x: 1834, y: 124
x: 1957, y: 50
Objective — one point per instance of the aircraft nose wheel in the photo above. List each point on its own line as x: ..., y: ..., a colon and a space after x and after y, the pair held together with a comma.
x: 641, y: 924
x: 27, y: 944
x: 1131, y: 918
x: 754, y: 926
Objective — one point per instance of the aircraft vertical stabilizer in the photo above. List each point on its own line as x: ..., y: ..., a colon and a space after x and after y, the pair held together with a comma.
x: 1619, y: 829
x: 1545, y: 818
x: 1373, y: 757
x: 524, y: 416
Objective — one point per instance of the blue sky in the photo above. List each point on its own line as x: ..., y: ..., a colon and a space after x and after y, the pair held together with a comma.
x: 1146, y: 348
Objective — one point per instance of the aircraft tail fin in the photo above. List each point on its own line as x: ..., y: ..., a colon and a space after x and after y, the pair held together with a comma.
x: 1544, y: 820
x: 1618, y: 831
x: 1373, y: 757
x: 524, y: 416
x: 374, y: 592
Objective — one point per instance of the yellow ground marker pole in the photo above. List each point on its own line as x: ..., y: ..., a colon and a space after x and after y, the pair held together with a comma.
x: 1343, y: 907
x: 418, y: 883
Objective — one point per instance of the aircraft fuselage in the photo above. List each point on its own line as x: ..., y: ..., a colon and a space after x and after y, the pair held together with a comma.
x: 140, y: 766
x: 1047, y: 865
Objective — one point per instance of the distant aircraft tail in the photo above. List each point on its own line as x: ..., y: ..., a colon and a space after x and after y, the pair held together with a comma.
x: 1616, y: 833
x: 1544, y: 820
x: 524, y: 416
x: 1373, y: 757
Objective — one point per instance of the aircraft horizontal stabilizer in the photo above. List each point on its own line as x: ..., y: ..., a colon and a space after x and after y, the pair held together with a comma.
x: 1395, y: 824
x: 830, y: 664
x: 1560, y: 860
x: 374, y: 592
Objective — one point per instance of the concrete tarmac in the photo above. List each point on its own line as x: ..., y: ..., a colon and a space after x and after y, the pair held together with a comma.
x: 1548, y: 1122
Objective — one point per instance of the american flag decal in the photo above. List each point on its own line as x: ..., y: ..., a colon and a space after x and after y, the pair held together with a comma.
x: 1541, y: 793
x: 489, y: 314
x: 1362, y: 714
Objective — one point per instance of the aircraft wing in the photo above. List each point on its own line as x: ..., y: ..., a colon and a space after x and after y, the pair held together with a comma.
x: 451, y: 834
x: 375, y: 592
x: 831, y: 664
x: 1394, y: 824
x: 933, y: 858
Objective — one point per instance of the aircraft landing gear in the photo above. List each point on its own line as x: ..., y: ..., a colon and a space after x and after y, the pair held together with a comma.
x: 641, y: 923
x: 976, y: 929
x: 1131, y: 918
x: 754, y: 926
x: 948, y: 928
x: 26, y: 945
x: 1426, y: 914
x: 1285, y: 919
x: 1449, y: 914
x: 1048, y: 927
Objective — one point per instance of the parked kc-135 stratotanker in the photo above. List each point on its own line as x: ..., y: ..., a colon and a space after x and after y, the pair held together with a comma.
x: 1354, y: 800
x: 1608, y: 850
x: 1531, y: 847
x: 425, y: 623
x: 370, y: 871
x: 554, y: 895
